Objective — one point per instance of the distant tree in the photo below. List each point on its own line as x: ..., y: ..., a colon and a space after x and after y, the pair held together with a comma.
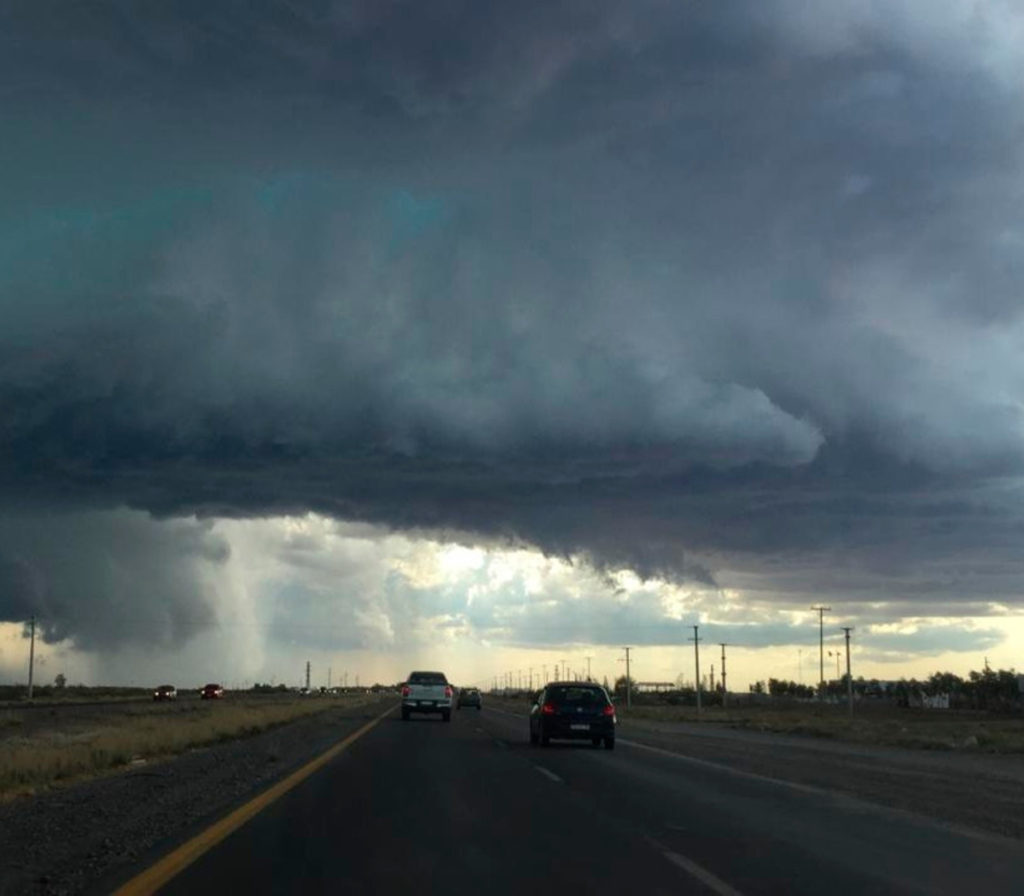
x: 944, y: 683
x: 991, y: 689
x: 60, y: 681
x: 620, y: 686
x: 757, y: 687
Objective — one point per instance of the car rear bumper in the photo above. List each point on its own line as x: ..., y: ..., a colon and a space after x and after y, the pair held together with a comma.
x: 426, y: 705
x: 573, y: 731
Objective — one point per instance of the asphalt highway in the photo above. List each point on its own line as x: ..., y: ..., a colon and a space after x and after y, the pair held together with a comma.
x: 470, y: 807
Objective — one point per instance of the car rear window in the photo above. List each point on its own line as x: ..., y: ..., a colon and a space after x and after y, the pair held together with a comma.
x: 577, y: 695
x: 427, y: 678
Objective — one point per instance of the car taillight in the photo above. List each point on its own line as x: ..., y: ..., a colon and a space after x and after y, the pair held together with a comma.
x: 609, y: 710
x: 406, y: 691
x: 448, y: 692
x: 548, y: 709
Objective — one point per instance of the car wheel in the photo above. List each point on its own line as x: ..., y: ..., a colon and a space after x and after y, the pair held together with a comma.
x: 545, y: 741
x: 596, y: 741
x: 447, y: 716
x: 533, y: 737
x: 609, y: 743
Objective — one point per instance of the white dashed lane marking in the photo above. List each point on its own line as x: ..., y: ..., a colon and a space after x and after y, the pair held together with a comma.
x: 548, y: 774
x: 709, y: 880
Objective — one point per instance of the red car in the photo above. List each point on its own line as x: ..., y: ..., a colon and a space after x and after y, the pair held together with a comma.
x: 211, y: 692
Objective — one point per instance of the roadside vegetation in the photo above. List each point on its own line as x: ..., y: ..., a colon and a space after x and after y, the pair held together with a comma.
x: 877, y: 725
x: 16, y: 693
x: 40, y: 749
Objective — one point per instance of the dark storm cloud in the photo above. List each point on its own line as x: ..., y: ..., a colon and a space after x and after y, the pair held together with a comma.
x: 105, y: 579
x: 666, y: 285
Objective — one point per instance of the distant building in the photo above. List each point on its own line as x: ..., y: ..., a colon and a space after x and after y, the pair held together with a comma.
x: 654, y: 687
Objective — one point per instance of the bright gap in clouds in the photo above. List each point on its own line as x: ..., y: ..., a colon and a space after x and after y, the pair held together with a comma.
x: 356, y: 600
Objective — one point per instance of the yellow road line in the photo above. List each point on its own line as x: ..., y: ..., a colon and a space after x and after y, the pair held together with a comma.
x: 154, y: 877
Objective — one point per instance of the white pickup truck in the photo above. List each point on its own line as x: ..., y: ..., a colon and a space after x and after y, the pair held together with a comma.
x: 427, y: 692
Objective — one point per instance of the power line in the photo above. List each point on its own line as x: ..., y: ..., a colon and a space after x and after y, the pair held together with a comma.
x: 31, y: 654
x: 629, y: 683
x: 821, y: 611
x: 849, y: 678
x: 696, y: 661
x: 725, y: 690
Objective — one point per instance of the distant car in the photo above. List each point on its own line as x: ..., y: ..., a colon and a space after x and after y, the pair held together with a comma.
x: 211, y: 692
x: 468, y: 697
x: 166, y: 692
x: 573, y: 711
x: 427, y: 692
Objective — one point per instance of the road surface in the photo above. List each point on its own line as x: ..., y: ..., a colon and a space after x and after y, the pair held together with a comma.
x: 470, y: 807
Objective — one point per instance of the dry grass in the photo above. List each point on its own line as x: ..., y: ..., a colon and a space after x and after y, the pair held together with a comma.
x: 66, y: 750
x: 880, y: 726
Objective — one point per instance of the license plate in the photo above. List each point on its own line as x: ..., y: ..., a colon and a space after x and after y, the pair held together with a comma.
x: 426, y: 702
x: 579, y: 727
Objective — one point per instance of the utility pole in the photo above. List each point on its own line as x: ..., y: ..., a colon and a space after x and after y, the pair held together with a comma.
x: 821, y: 611
x: 849, y: 678
x: 629, y: 681
x: 696, y: 661
x: 307, y: 675
x: 725, y: 690
x: 31, y: 653
x: 712, y: 678
x: 328, y: 678
x: 588, y: 668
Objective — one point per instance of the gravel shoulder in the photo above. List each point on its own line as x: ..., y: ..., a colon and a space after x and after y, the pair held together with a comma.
x: 67, y: 840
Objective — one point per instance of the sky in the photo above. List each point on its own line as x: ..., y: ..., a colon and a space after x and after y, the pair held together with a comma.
x: 490, y: 337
